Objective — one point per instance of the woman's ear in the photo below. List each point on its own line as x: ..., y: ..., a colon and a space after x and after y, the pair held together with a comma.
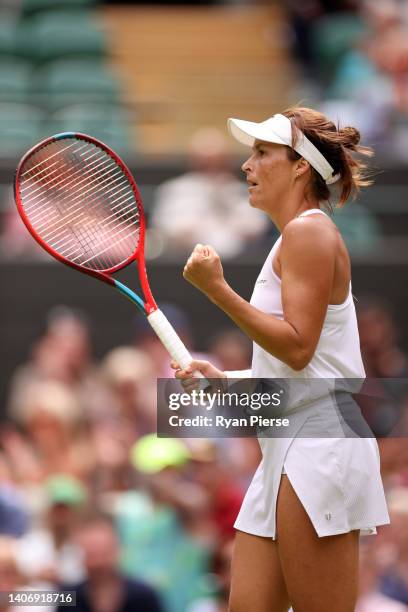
x: 301, y: 167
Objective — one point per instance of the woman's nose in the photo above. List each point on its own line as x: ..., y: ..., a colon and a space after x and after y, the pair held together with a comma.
x: 246, y: 165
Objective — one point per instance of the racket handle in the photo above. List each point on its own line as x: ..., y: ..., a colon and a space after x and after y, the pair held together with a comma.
x: 171, y: 340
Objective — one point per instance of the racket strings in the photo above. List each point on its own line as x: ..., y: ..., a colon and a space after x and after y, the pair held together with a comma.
x: 73, y: 242
x: 61, y: 181
x: 30, y: 201
x: 69, y: 214
x: 75, y: 170
x: 46, y: 160
x: 71, y: 211
x: 81, y: 203
x: 50, y: 237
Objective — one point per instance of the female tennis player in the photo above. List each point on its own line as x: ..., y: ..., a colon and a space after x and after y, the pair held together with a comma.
x: 311, y: 497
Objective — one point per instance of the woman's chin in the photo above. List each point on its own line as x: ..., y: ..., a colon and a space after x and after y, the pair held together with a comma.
x: 253, y: 202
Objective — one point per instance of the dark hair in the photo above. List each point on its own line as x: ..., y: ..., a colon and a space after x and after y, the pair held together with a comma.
x: 338, y: 145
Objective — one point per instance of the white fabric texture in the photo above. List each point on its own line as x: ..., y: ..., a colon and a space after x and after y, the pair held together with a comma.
x: 337, y: 478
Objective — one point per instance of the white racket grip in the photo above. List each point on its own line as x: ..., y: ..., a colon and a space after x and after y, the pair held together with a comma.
x: 171, y: 340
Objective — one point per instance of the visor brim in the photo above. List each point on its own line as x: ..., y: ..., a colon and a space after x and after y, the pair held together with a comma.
x: 247, y: 132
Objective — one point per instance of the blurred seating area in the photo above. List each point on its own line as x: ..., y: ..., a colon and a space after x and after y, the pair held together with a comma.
x: 54, y: 75
x: 352, y: 62
x: 188, y: 67
x: 353, y: 59
x: 141, y: 78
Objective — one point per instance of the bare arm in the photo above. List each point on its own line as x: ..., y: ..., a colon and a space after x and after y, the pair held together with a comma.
x: 307, y: 270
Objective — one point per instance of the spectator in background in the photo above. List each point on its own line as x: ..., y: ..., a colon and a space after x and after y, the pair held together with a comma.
x: 128, y: 413
x: 394, y: 579
x: 130, y: 377
x: 224, y: 497
x: 370, y: 84
x: 61, y: 354
x: 221, y: 572
x: 303, y: 17
x: 394, y: 461
x: 208, y: 204
x: 15, y: 241
x: 52, y: 438
x: 385, y: 395
x: 12, y: 579
x: 355, y: 64
x: 370, y: 597
x: 47, y: 552
x: 382, y: 355
x: 105, y: 587
x: 231, y: 349
x: 14, y: 516
x: 166, y: 533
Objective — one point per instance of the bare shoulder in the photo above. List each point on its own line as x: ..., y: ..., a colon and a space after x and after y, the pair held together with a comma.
x: 311, y: 234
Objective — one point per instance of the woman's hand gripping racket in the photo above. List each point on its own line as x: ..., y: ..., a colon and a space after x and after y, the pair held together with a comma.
x: 82, y: 205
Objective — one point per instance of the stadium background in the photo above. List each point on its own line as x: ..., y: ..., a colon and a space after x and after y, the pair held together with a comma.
x: 145, y: 78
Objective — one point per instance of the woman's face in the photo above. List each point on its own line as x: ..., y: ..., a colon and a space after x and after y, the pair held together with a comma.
x: 269, y: 174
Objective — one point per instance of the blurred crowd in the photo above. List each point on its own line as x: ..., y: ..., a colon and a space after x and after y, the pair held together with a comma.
x: 92, y: 500
x: 354, y: 55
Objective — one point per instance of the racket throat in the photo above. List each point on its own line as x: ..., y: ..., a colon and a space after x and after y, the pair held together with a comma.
x: 131, y: 295
x: 150, y: 305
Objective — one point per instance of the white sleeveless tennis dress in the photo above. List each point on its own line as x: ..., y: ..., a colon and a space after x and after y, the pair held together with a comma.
x: 337, y: 479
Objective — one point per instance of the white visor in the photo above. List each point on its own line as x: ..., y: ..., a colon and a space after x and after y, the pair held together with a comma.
x: 278, y: 129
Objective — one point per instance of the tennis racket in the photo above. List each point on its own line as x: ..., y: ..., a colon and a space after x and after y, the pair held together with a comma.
x: 82, y: 205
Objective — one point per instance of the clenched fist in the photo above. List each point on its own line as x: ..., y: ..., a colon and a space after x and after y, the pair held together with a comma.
x: 204, y: 270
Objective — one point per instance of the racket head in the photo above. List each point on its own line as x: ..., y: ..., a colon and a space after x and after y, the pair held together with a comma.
x: 76, y: 167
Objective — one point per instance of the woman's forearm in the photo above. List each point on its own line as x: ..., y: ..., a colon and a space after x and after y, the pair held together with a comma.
x: 278, y: 337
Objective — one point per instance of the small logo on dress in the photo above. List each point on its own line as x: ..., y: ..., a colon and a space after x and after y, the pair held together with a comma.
x: 261, y: 281
x: 328, y: 516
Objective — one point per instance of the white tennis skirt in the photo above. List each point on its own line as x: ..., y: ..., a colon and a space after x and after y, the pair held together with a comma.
x: 337, y: 479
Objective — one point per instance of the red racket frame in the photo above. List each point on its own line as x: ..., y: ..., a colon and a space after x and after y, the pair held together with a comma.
x: 138, y: 256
